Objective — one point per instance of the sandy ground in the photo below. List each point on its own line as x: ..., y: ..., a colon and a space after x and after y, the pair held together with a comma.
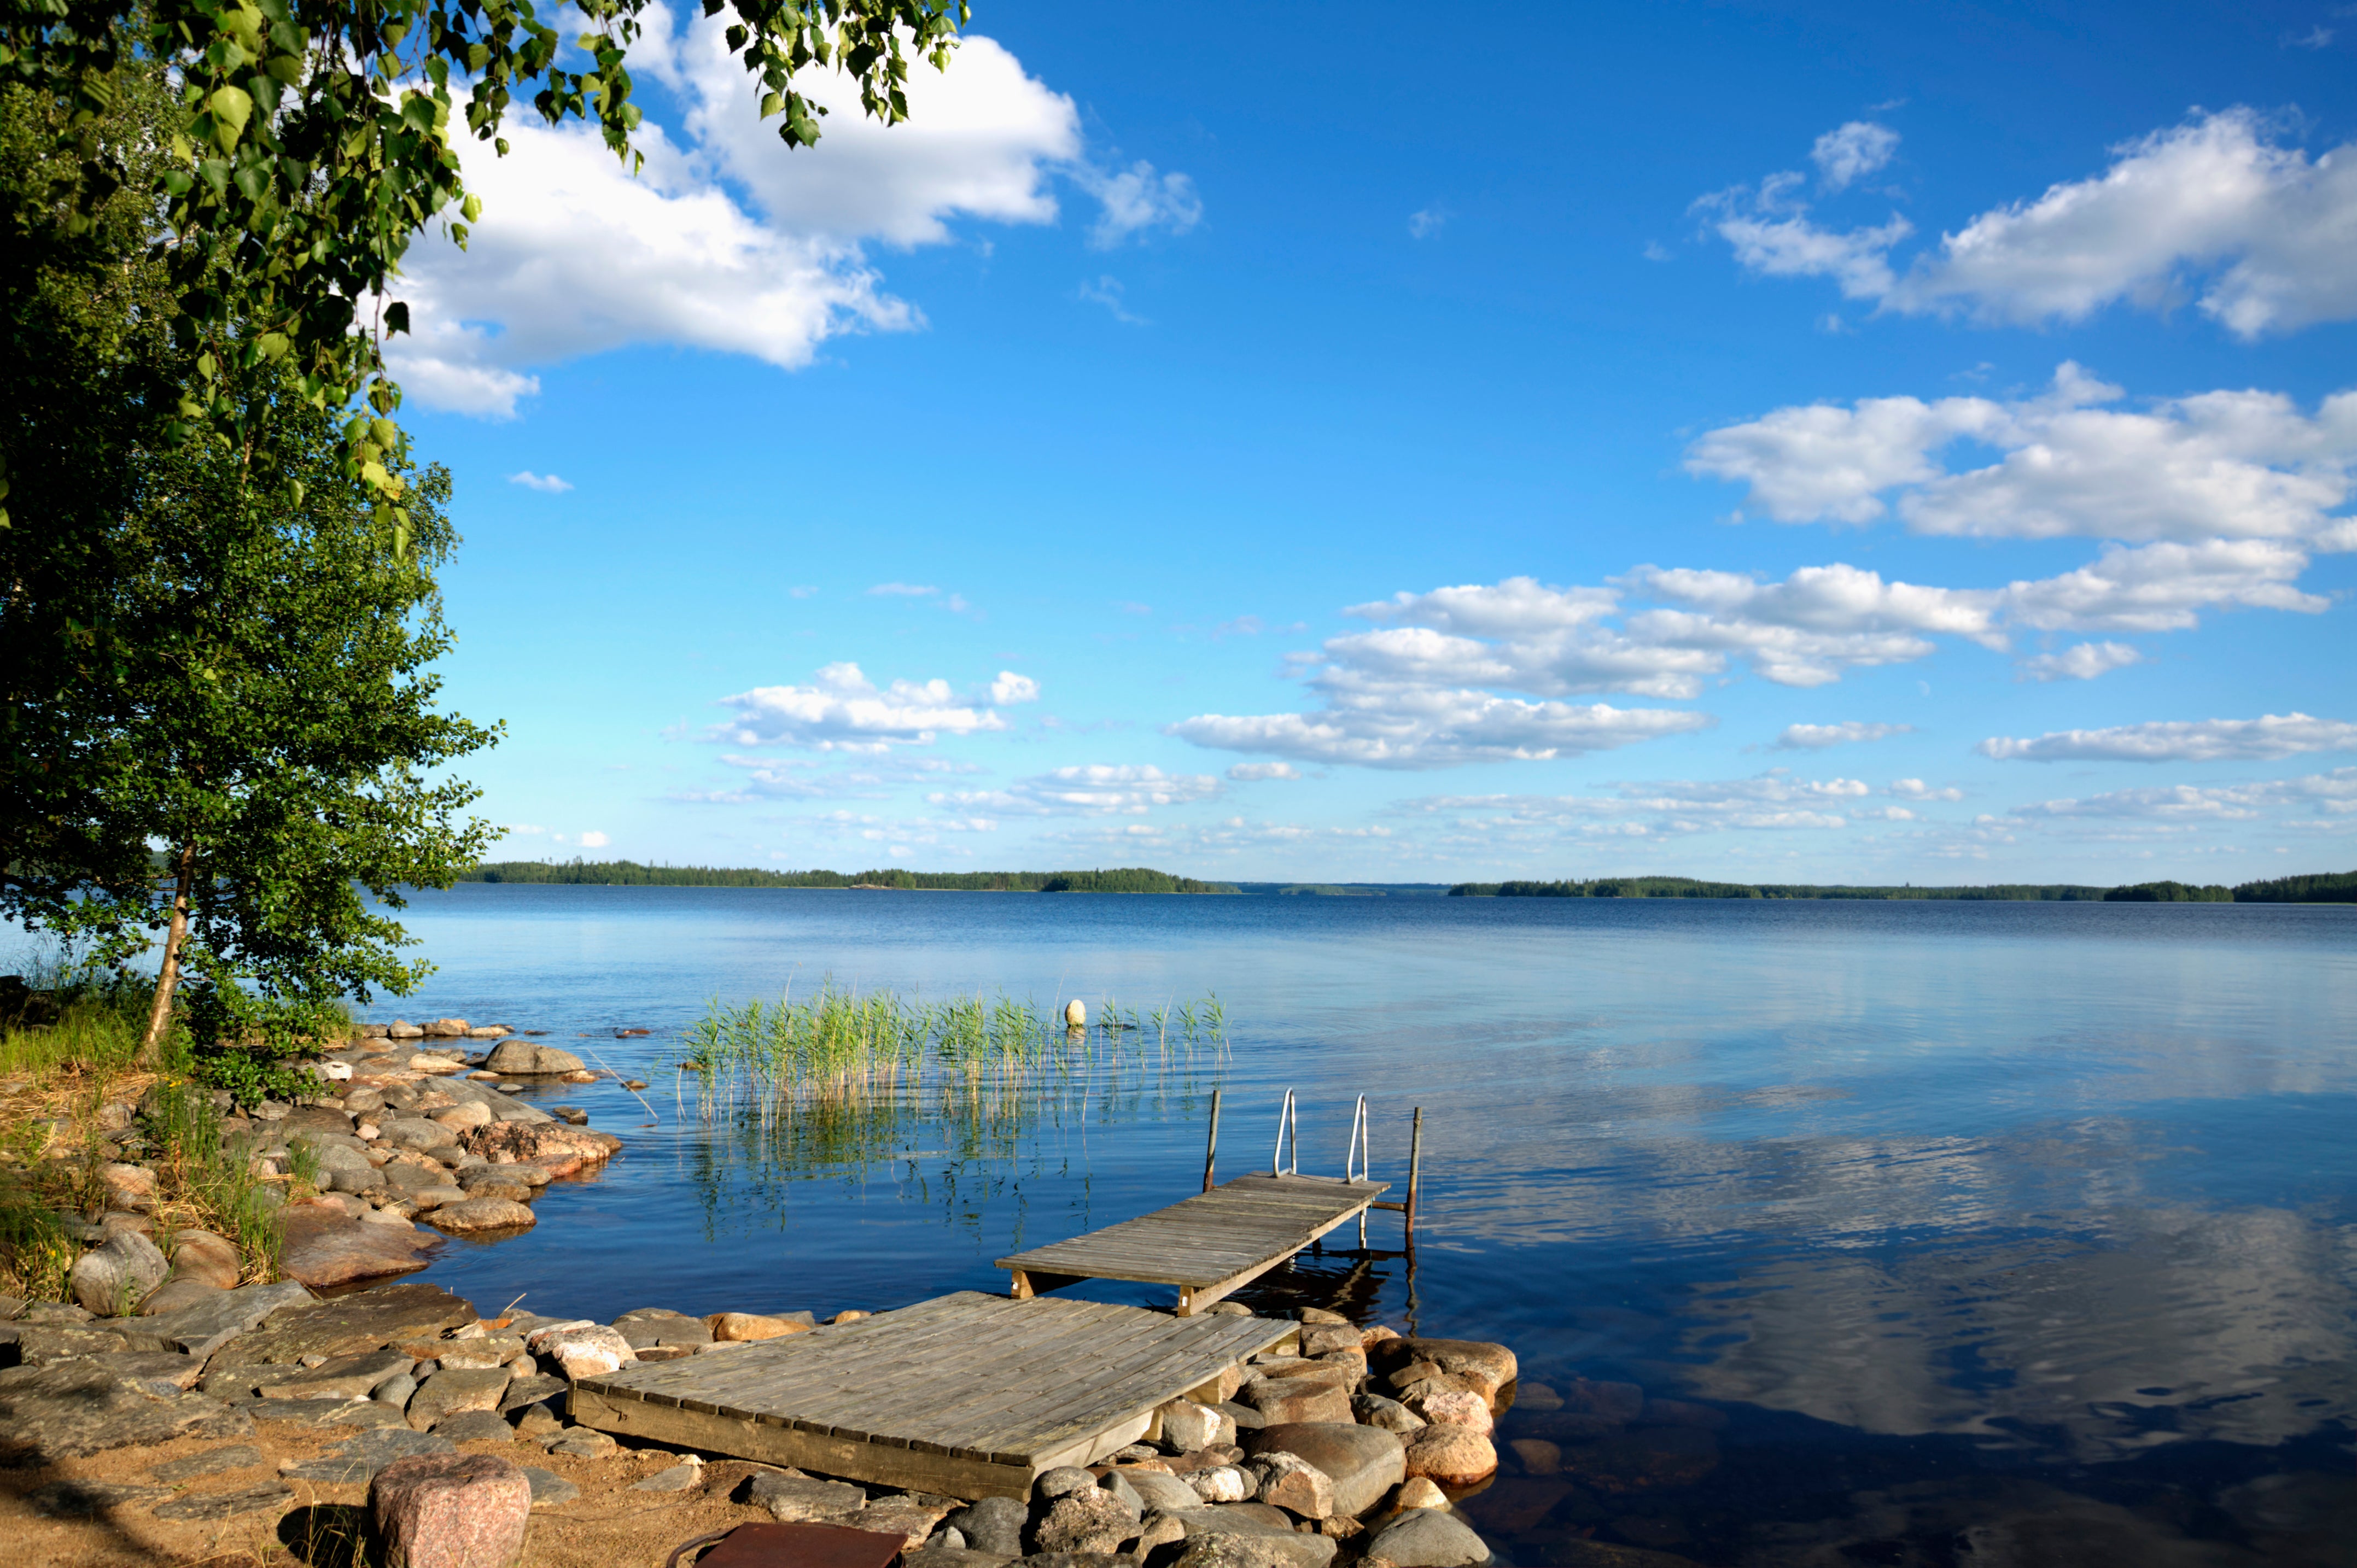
x: 609, y: 1526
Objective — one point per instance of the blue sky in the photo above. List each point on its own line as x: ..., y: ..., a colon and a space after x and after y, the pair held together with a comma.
x: 1875, y: 444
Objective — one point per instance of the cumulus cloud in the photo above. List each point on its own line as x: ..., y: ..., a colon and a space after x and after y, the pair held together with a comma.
x: 548, y: 484
x: 841, y: 710
x: 2184, y: 740
x: 1916, y: 789
x: 1662, y: 807
x: 1010, y: 688
x: 2216, y: 210
x: 1090, y: 790
x: 1816, y: 737
x: 1403, y: 726
x: 593, y: 840
x: 2313, y: 802
x: 2083, y: 661
x: 902, y: 591
x: 1254, y: 772
x: 728, y: 241
x: 1851, y: 152
x: 2226, y: 464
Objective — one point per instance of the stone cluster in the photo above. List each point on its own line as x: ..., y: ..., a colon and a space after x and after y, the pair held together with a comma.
x: 1347, y: 1446
x: 396, y: 1136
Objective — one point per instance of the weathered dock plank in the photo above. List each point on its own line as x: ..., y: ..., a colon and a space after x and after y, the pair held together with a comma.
x: 967, y: 1394
x: 1207, y: 1245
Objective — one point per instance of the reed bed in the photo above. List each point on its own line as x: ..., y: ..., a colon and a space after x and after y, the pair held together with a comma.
x: 845, y: 1042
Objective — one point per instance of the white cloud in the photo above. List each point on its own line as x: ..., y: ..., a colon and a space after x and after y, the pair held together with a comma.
x: 1404, y: 726
x: 593, y: 840
x: 1816, y: 737
x: 1093, y: 791
x: 1774, y: 801
x: 902, y: 591
x: 548, y: 483
x: 1771, y: 232
x: 2158, y: 588
x: 574, y: 256
x: 2083, y: 661
x: 1427, y: 222
x: 1254, y: 772
x: 2215, y: 211
x: 1852, y: 152
x: 1010, y: 688
x: 801, y: 592
x: 1916, y: 789
x: 844, y: 711
x: 2221, y: 464
x: 2333, y: 793
x: 2196, y: 740
x: 1136, y: 200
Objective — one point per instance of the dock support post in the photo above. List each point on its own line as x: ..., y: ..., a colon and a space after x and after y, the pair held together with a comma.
x: 1212, y: 1144
x: 1414, y: 1166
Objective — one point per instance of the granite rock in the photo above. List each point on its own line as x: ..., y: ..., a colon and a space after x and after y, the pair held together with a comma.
x: 208, y: 1462
x: 326, y: 1248
x: 73, y: 1408
x: 451, y: 1512
x: 1363, y: 1463
x: 1428, y: 1538
x: 1088, y: 1519
x: 1451, y: 1456
x: 548, y: 1489
x: 994, y: 1525
x: 115, y: 1277
x: 460, y: 1388
x: 805, y: 1500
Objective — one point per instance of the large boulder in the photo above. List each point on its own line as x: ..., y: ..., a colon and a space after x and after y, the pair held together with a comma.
x: 1090, y: 1520
x: 326, y: 1248
x: 1452, y: 1456
x: 1363, y: 1463
x: 203, y: 1255
x: 523, y: 1058
x: 1486, y: 1365
x: 1297, y: 1486
x: 1159, y: 1492
x: 806, y: 1499
x: 556, y: 1148
x: 583, y: 1349
x: 471, y: 1216
x: 113, y: 1278
x: 454, y: 1390
x: 1428, y: 1538
x: 1187, y: 1426
x: 454, y: 1511
x: 995, y: 1525
x: 1217, y: 1542
x: 1284, y: 1402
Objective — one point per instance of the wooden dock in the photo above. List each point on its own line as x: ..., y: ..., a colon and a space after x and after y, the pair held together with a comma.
x: 970, y: 1395
x: 1207, y: 1245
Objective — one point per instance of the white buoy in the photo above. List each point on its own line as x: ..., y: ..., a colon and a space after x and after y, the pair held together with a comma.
x: 1076, y: 1013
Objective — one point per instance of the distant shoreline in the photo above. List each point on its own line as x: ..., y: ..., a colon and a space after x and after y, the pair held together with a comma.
x: 2336, y: 887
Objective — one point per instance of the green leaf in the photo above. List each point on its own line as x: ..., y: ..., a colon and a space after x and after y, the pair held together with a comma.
x: 230, y: 108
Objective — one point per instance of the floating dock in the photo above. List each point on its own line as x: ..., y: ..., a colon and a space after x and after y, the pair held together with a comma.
x: 968, y: 1395
x: 1207, y: 1245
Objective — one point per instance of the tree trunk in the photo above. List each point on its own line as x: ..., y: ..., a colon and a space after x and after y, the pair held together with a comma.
x: 168, y: 979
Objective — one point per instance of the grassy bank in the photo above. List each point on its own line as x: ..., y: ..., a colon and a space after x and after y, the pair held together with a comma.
x: 74, y: 1099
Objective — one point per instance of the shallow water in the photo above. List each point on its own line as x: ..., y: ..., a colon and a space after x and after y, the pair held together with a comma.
x: 2038, y: 1220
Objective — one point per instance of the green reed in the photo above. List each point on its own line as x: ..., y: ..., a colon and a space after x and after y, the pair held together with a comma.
x: 839, y: 1041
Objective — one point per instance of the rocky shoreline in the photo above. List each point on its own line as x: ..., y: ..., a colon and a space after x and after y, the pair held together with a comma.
x: 404, y: 1408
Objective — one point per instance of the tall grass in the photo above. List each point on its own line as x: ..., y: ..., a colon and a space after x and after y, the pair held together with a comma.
x: 840, y: 1042
x: 62, y: 1059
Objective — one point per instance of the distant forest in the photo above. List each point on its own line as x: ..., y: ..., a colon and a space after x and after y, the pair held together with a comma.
x: 632, y: 873
x: 2335, y: 887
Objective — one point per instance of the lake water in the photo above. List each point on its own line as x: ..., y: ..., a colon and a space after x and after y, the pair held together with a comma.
x: 1995, y: 1232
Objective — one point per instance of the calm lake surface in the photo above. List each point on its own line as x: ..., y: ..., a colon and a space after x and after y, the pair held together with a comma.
x: 2032, y: 1219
